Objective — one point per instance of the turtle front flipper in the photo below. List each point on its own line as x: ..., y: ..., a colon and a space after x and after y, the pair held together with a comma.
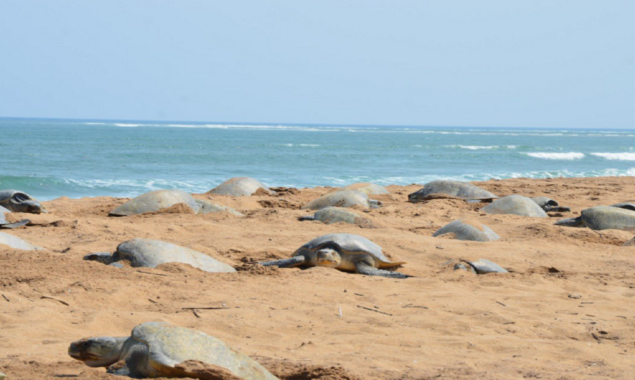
x: 364, y: 268
x: 16, y: 224
x: 306, y: 217
x: 571, y: 222
x: 557, y: 209
x: 286, y: 263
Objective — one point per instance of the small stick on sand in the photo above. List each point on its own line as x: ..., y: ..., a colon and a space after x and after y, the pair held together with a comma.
x: 5, y: 297
x: 205, y: 308
x: 154, y: 274
x: 376, y: 311
x: 56, y: 299
x: 500, y: 303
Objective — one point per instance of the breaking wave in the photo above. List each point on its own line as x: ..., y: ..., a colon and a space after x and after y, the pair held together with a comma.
x: 616, y: 156
x: 557, y: 156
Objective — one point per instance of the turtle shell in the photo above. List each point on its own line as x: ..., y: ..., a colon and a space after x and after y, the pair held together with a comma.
x: 150, y: 253
x: 17, y: 243
x: 608, y: 217
x: 517, y: 205
x: 170, y: 345
x: 240, y: 187
x: 155, y: 201
x: 368, y: 188
x: 467, y: 229
x: 344, y: 198
x: 456, y: 189
x: 350, y: 244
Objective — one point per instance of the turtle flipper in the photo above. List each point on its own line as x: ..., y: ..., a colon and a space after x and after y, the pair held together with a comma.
x: 285, y: 263
x: 306, y: 217
x: 16, y: 224
x: 557, y: 209
x: 363, y: 268
x: 571, y: 222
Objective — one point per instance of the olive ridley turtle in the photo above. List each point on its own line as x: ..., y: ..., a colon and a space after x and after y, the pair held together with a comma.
x: 451, y: 189
x: 240, y: 187
x: 159, y: 349
x: 18, y: 201
x: 346, y: 252
x: 154, y: 201
x: 150, y: 253
x: 602, y: 218
x: 330, y: 215
x: 480, y: 266
x: 517, y: 205
x: 365, y: 187
x: 344, y: 198
x: 468, y: 229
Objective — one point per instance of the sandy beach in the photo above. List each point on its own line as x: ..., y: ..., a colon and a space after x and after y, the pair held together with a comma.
x: 565, y: 310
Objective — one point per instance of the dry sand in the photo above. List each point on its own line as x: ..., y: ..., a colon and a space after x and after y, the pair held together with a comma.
x: 566, y: 310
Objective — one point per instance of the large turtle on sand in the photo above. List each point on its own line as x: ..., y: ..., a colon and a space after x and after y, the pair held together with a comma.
x: 151, y: 253
x: 330, y: 215
x: 368, y: 188
x: 517, y: 205
x: 154, y: 201
x: 346, y: 252
x: 451, y: 189
x: 549, y: 205
x: 17, y: 243
x: 159, y: 349
x: 206, y: 207
x: 602, y: 218
x: 18, y: 201
x: 467, y: 229
x: 240, y: 187
x: 4, y: 223
x: 344, y: 198
x: 480, y: 266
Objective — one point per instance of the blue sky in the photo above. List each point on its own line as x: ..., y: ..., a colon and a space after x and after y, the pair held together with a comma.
x: 552, y: 63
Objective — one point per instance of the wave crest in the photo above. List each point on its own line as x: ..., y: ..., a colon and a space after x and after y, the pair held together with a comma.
x: 616, y: 156
x: 557, y: 156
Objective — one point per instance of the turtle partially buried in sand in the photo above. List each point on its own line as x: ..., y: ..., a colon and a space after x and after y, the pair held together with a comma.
x: 516, y: 205
x: 151, y: 253
x: 467, y: 229
x: 18, y: 201
x: 451, y: 189
x: 344, y: 198
x: 336, y: 215
x: 159, y: 349
x: 603, y: 218
x: 346, y: 252
x: 17, y: 243
x: 157, y: 200
x: 240, y: 187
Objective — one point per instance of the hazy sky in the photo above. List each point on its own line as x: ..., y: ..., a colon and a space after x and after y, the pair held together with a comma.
x: 551, y: 63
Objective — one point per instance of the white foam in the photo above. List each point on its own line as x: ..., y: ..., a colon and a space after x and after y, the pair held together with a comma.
x: 129, y: 125
x: 616, y: 156
x: 557, y: 156
x: 481, y: 147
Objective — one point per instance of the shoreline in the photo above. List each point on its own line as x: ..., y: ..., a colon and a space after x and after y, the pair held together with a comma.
x: 564, y: 305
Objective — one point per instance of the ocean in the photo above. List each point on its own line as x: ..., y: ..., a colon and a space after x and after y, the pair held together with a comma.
x: 86, y: 158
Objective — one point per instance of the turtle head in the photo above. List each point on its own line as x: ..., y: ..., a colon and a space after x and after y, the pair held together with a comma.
x: 416, y: 196
x: 328, y: 257
x: 102, y: 257
x: 97, y: 352
x: 23, y: 202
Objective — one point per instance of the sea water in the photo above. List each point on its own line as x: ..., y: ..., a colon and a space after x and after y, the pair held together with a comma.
x: 85, y: 158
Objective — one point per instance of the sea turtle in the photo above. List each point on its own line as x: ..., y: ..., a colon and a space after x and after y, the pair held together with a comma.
x: 17, y: 243
x: 18, y: 201
x: 451, y: 189
x: 240, y: 187
x: 344, y: 198
x: 154, y: 201
x: 602, y: 218
x: 4, y: 223
x: 517, y: 205
x: 330, y: 215
x: 346, y: 252
x: 549, y: 205
x: 160, y: 349
x: 150, y: 253
x: 468, y: 229
x: 368, y: 188
x: 206, y: 207
x: 480, y: 266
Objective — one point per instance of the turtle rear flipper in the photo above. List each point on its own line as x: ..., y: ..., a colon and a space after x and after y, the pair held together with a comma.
x: 363, y: 268
x: 16, y: 224
x: 291, y: 262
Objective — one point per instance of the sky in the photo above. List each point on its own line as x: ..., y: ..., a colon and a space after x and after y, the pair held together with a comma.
x: 539, y: 63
